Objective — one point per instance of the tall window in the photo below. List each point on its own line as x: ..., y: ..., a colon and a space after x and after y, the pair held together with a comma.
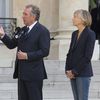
x: 95, y: 12
x: 6, y: 8
x: 6, y: 18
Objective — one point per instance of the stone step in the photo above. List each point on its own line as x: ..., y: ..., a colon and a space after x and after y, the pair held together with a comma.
x: 50, y: 91
x: 52, y: 86
x: 73, y: 99
x: 52, y: 67
x: 52, y: 79
x: 56, y: 87
x: 8, y: 99
x: 47, y: 94
x: 8, y: 94
x: 55, y: 99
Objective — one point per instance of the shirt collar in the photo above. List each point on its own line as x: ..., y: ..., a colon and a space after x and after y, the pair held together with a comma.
x: 31, y: 26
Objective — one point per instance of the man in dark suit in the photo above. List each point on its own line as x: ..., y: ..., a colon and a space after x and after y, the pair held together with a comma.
x: 32, y: 45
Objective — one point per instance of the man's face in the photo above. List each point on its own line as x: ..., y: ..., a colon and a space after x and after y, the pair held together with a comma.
x: 28, y: 19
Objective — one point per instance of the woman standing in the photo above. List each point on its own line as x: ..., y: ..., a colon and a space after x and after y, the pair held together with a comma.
x: 78, y: 62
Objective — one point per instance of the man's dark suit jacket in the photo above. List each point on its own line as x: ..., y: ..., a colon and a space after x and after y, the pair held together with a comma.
x: 80, y: 53
x: 36, y: 44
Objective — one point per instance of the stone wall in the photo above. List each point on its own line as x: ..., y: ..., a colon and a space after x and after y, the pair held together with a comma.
x: 49, y: 11
x: 56, y: 87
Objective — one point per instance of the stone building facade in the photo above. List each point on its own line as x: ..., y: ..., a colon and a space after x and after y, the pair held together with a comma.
x: 56, y: 15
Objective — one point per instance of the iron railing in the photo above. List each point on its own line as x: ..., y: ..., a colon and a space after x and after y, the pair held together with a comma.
x: 9, y: 25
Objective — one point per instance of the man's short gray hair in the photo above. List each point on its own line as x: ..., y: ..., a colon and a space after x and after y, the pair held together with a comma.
x: 35, y: 11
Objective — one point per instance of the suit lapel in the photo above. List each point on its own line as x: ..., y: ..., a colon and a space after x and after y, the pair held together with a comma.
x: 32, y: 31
x: 74, y: 41
x: 77, y: 42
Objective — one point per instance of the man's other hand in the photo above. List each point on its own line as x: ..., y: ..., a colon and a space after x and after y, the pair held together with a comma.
x: 1, y: 31
x: 21, y: 55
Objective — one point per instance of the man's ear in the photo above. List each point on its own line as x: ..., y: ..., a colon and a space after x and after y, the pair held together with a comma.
x: 34, y: 17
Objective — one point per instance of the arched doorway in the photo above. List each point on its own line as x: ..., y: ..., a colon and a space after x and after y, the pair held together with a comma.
x: 94, y: 8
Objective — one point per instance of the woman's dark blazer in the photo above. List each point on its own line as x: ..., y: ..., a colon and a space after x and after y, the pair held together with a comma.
x: 36, y: 44
x: 80, y: 53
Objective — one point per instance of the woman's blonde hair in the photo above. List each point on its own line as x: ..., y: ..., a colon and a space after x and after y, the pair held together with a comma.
x: 85, y: 16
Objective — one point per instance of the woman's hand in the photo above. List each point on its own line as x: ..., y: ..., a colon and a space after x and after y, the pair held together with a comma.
x: 69, y: 74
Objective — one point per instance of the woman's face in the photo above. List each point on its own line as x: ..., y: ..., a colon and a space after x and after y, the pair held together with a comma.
x: 77, y: 20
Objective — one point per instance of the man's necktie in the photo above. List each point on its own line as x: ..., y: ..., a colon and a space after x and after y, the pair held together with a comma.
x: 26, y: 30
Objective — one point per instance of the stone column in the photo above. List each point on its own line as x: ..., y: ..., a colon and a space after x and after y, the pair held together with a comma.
x: 66, y: 9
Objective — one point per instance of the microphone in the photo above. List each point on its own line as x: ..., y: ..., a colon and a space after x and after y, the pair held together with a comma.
x: 17, y: 30
x: 16, y: 33
x: 20, y: 32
